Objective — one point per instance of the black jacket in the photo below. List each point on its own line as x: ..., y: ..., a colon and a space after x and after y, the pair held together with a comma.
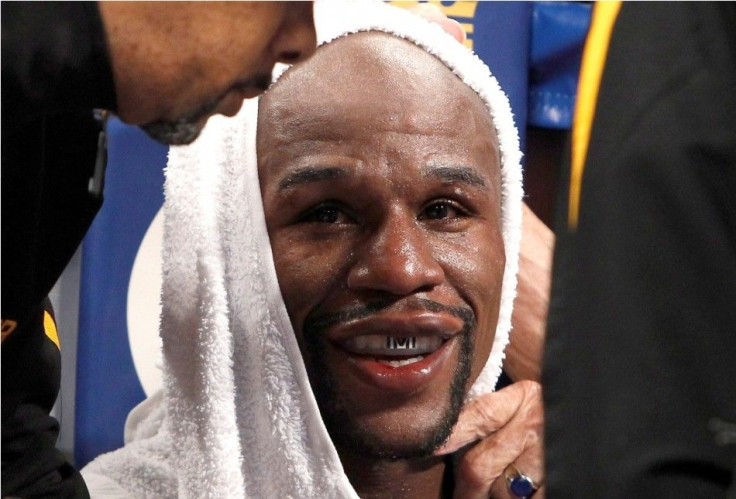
x: 640, y: 363
x: 55, y: 71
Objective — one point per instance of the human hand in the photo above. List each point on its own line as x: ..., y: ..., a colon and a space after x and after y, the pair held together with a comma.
x: 504, y: 428
x: 433, y: 13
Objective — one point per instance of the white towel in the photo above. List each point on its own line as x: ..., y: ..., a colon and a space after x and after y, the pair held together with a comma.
x: 239, y: 418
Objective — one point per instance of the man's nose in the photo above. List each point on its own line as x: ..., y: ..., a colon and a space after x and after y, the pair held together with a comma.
x: 397, y: 259
x: 296, y: 39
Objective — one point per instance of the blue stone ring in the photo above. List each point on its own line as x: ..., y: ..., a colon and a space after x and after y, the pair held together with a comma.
x: 519, y: 484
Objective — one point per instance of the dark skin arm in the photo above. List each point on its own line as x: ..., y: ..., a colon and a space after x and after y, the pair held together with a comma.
x: 524, y: 353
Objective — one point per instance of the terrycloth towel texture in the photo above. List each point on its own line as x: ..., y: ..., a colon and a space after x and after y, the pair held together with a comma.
x: 239, y: 418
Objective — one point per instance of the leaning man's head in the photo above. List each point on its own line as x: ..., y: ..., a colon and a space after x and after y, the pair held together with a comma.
x: 380, y: 177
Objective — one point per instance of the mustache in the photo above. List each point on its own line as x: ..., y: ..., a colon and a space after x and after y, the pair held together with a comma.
x: 260, y: 81
x: 184, y: 130
x: 317, y: 321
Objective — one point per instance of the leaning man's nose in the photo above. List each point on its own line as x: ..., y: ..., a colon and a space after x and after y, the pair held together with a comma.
x: 296, y: 39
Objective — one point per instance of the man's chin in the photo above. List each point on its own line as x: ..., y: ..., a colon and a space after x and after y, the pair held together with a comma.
x: 369, y: 444
x: 408, y: 431
x: 173, y: 133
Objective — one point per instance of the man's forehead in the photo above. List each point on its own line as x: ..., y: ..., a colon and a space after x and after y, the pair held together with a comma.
x: 366, y: 56
x: 369, y: 69
x: 371, y: 81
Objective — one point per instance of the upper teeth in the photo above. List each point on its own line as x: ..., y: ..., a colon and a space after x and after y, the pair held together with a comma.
x: 393, y: 345
x: 401, y: 343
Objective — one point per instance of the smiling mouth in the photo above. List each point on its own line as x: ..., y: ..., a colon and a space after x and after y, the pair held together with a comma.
x: 388, y: 347
x: 393, y: 351
x: 398, y: 364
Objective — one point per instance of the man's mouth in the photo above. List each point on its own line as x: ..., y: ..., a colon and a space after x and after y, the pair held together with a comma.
x: 412, y: 366
x: 254, y: 86
x: 393, y: 351
x: 398, y: 351
x: 390, y: 347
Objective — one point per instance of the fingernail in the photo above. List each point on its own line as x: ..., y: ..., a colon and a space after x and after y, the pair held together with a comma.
x: 461, y: 32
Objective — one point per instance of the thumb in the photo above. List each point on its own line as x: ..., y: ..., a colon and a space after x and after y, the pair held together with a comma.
x: 484, y: 416
x: 433, y: 13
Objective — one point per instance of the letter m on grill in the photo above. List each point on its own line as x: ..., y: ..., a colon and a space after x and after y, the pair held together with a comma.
x: 401, y: 343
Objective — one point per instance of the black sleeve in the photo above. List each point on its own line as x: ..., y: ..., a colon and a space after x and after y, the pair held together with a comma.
x: 55, y: 70
x: 640, y: 363
x: 54, y: 58
x: 31, y: 361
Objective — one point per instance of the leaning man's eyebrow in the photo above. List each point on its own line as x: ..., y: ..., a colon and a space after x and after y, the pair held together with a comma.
x: 456, y: 174
x: 310, y: 174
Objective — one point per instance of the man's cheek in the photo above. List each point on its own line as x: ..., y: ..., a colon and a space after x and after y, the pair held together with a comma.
x: 292, y: 271
x: 303, y: 278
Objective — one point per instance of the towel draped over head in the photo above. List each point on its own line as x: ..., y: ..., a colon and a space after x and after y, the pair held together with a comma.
x: 238, y: 417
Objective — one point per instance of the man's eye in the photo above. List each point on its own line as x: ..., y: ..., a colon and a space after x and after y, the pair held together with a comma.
x: 441, y: 210
x: 326, y: 214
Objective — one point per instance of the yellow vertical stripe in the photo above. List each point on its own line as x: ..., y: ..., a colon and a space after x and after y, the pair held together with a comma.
x: 49, y: 327
x: 594, y: 57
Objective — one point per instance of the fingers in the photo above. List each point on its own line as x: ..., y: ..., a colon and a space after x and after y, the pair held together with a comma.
x: 480, y: 470
x: 500, y: 487
x: 434, y: 14
x: 487, y: 413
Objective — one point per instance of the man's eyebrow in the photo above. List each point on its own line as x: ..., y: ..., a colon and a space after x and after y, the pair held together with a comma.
x: 455, y: 174
x: 311, y: 174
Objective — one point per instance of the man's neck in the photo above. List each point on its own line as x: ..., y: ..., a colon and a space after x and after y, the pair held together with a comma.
x: 381, y: 478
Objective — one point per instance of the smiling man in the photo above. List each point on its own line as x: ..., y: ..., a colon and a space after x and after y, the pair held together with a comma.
x: 385, y: 223
x: 381, y: 188
x: 336, y: 358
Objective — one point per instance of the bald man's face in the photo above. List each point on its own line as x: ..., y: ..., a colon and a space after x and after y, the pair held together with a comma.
x: 381, y: 186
